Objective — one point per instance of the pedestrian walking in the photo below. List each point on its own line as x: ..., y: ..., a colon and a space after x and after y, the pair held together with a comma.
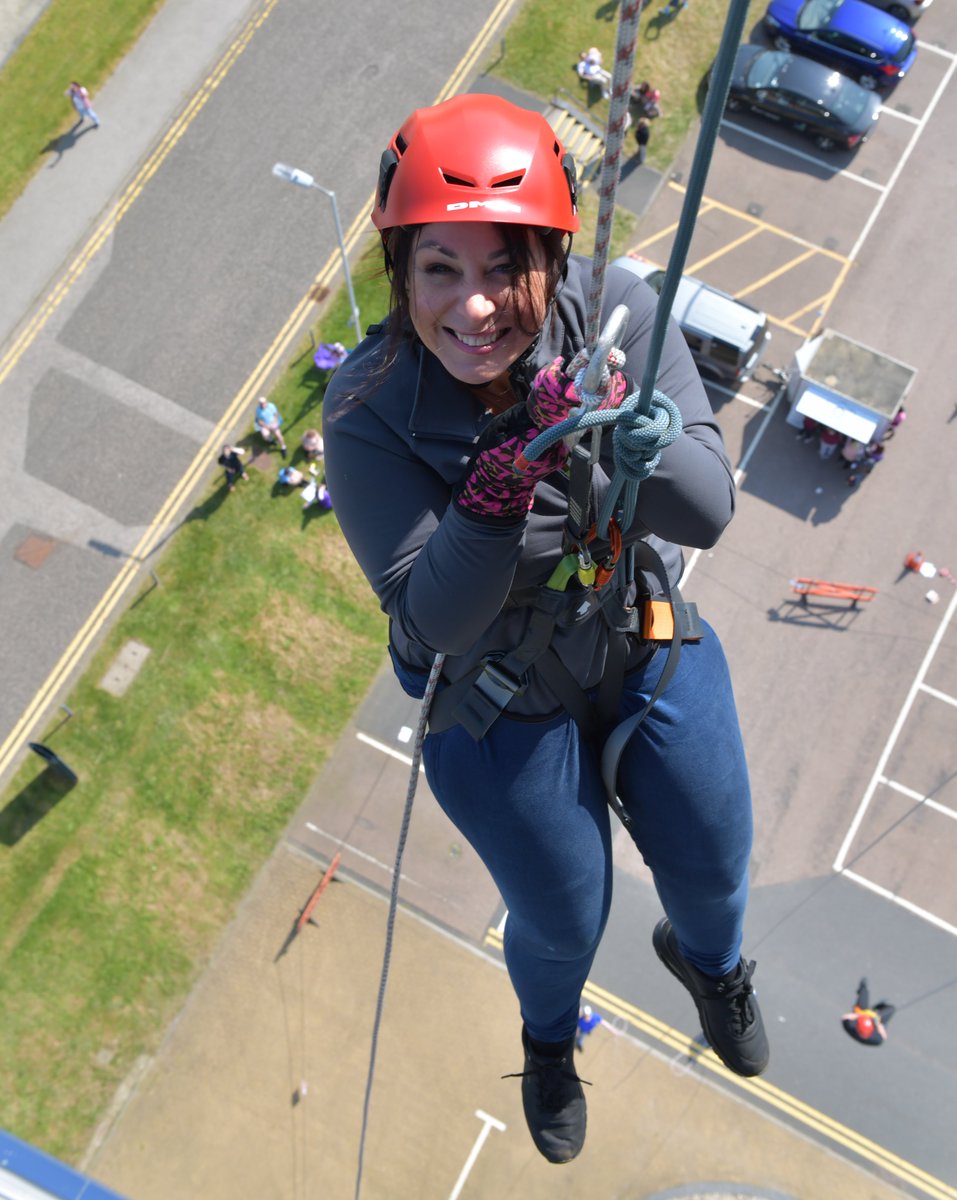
x: 865, y: 1024
x: 80, y: 99
x: 425, y: 427
x: 232, y: 464
x: 269, y: 423
x: 642, y: 136
x: 588, y: 1020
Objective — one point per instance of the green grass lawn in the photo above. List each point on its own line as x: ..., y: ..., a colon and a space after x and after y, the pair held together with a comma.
x: 73, y: 39
x: 543, y: 43
x: 263, y: 637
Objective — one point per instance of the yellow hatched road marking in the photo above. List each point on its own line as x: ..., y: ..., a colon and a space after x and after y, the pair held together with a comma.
x: 752, y: 220
x: 756, y: 226
x: 695, y: 267
x: 759, y: 1089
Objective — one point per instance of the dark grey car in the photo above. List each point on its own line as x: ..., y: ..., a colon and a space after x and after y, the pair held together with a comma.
x: 812, y: 98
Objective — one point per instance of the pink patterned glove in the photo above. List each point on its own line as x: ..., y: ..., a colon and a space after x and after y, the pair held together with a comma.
x: 494, y: 488
x: 500, y: 483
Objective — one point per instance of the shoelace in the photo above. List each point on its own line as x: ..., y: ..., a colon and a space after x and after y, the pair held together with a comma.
x: 549, y: 1073
x: 738, y: 992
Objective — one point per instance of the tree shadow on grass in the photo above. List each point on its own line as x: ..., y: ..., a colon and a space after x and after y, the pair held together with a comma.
x: 31, y: 805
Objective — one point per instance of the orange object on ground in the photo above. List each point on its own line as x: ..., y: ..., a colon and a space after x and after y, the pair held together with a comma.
x: 833, y: 591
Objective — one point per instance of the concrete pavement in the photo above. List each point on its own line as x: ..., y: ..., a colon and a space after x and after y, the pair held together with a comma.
x: 222, y: 1112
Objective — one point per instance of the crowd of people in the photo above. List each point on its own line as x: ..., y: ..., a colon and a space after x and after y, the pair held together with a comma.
x: 268, y: 423
x: 857, y: 458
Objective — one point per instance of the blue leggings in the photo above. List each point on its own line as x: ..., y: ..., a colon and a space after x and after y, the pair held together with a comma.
x: 529, y: 799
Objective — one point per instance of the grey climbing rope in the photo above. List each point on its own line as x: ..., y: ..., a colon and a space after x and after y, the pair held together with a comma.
x: 433, y: 679
x: 611, y: 163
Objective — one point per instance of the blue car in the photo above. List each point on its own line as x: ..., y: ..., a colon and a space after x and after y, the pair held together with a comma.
x: 862, y: 41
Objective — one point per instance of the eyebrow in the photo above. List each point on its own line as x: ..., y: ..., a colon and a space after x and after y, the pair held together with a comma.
x: 503, y: 253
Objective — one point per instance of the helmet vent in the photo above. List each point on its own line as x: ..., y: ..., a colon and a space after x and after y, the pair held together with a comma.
x: 455, y: 181
x: 512, y: 181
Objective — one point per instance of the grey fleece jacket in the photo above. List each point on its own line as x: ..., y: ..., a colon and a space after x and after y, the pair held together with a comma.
x: 397, y: 443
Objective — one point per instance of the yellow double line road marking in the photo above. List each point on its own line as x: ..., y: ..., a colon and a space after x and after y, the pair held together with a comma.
x: 291, y: 329
x: 769, y: 1095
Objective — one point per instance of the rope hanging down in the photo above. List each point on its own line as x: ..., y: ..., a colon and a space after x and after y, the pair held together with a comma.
x: 640, y: 433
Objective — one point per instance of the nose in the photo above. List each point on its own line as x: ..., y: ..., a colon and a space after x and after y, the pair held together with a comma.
x: 479, y: 305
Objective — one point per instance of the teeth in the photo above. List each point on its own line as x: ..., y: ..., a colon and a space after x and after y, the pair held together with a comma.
x: 476, y: 339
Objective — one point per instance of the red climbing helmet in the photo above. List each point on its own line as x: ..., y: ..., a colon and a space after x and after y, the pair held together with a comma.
x: 865, y: 1024
x: 476, y: 158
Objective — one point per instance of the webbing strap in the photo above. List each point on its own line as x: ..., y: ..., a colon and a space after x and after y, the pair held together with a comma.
x: 619, y: 737
x: 476, y: 700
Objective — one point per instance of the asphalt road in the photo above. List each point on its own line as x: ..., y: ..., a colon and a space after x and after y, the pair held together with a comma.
x: 150, y: 343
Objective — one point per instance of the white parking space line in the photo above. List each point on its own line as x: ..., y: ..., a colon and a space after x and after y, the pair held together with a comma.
x: 879, y: 778
x: 489, y: 1123
x: 901, y: 116
x: 381, y: 746
x: 924, y: 687
x: 929, y: 917
x: 811, y: 158
x: 770, y: 410
x: 920, y: 798
x: 929, y: 46
x: 388, y: 868
x: 902, y: 161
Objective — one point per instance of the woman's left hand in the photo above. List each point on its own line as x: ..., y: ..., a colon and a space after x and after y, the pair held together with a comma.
x: 554, y: 395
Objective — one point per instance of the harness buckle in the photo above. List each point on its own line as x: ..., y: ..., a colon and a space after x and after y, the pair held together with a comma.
x: 490, y: 694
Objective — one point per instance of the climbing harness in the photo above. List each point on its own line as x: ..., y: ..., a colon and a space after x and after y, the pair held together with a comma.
x: 646, y: 422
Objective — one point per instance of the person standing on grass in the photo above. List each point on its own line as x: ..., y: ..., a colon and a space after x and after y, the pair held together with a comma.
x: 232, y: 464
x: 269, y: 423
x: 80, y: 99
x: 425, y: 427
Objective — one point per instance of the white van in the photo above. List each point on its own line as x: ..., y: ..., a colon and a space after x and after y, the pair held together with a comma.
x: 726, y: 336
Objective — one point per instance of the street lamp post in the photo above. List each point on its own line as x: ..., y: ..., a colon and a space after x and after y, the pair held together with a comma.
x: 302, y: 179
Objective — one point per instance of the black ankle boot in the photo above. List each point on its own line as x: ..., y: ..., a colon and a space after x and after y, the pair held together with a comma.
x: 553, y: 1100
x: 728, y: 1008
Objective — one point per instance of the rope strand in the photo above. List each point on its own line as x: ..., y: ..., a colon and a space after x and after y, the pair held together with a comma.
x: 430, y: 686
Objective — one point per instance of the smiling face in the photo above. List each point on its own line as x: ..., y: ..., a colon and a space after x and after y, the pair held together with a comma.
x: 468, y: 301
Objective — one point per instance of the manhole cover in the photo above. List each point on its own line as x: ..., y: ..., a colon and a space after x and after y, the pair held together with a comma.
x: 34, y: 550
